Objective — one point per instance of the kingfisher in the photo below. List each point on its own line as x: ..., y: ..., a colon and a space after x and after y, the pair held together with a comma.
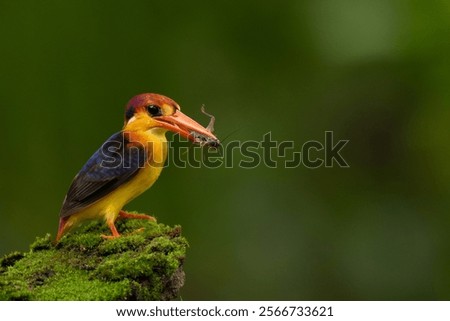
x: 128, y: 163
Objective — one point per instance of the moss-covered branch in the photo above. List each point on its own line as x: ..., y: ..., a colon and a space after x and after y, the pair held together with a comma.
x: 146, y: 263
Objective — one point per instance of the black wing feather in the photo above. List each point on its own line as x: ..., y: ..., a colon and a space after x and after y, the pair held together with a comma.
x: 111, y: 165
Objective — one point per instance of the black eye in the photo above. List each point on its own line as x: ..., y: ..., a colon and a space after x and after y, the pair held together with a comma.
x: 154, y: 110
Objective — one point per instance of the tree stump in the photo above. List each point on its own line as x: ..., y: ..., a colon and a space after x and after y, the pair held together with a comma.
x: 145, y: 263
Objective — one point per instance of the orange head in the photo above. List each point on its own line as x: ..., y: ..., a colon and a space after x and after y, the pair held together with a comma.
x: 152, y: 111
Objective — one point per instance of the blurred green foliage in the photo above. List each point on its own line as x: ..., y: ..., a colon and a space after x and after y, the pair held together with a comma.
x: 374, y: 72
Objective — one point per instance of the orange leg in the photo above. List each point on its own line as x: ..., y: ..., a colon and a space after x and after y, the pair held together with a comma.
x: 114, y: 232
x: 123, y: 214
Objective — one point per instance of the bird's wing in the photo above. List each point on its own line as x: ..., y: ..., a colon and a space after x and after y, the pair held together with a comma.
x: 113, y: 164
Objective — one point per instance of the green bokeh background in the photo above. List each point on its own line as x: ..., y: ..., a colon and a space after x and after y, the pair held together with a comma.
x: 374, y: 72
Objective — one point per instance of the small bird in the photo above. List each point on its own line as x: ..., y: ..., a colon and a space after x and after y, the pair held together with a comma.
x: 128, y: 163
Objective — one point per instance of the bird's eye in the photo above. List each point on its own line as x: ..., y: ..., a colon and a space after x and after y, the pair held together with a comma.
x: 154, y: 110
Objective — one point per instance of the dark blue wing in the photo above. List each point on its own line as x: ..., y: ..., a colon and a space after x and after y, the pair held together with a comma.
x: 112, y: 165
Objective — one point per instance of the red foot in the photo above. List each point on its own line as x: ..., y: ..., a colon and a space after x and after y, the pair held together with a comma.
x: 123, y: 214
x: 114, y: 232
x: 109, y: 237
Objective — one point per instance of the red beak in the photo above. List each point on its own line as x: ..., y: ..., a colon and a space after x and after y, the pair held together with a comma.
x: 186, y: 127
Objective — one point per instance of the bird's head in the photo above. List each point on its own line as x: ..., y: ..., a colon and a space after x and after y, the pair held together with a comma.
x: 155, y: 112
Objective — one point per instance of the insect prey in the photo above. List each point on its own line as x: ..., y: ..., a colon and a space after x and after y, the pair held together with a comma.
x: 203, y: 140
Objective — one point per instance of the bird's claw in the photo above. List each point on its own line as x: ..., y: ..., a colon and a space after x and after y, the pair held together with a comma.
x: 123, y: 214
x: 139, y: 230
x: 109, y: 237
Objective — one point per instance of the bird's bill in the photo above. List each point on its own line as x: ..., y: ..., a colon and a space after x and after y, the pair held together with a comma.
x: 185, y: 126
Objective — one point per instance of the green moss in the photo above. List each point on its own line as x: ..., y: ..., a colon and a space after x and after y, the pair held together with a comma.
x: 144, y: 264
x: 10, y: 259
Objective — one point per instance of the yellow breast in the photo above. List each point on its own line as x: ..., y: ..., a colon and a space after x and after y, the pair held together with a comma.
x: 109, y: 206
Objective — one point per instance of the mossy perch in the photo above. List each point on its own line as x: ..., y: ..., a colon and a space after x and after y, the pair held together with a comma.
x: 146, y: 263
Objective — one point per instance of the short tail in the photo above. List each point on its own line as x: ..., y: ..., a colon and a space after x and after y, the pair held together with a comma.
x: 61, y: 228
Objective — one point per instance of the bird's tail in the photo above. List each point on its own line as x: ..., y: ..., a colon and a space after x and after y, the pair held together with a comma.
x: 61, y: 228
